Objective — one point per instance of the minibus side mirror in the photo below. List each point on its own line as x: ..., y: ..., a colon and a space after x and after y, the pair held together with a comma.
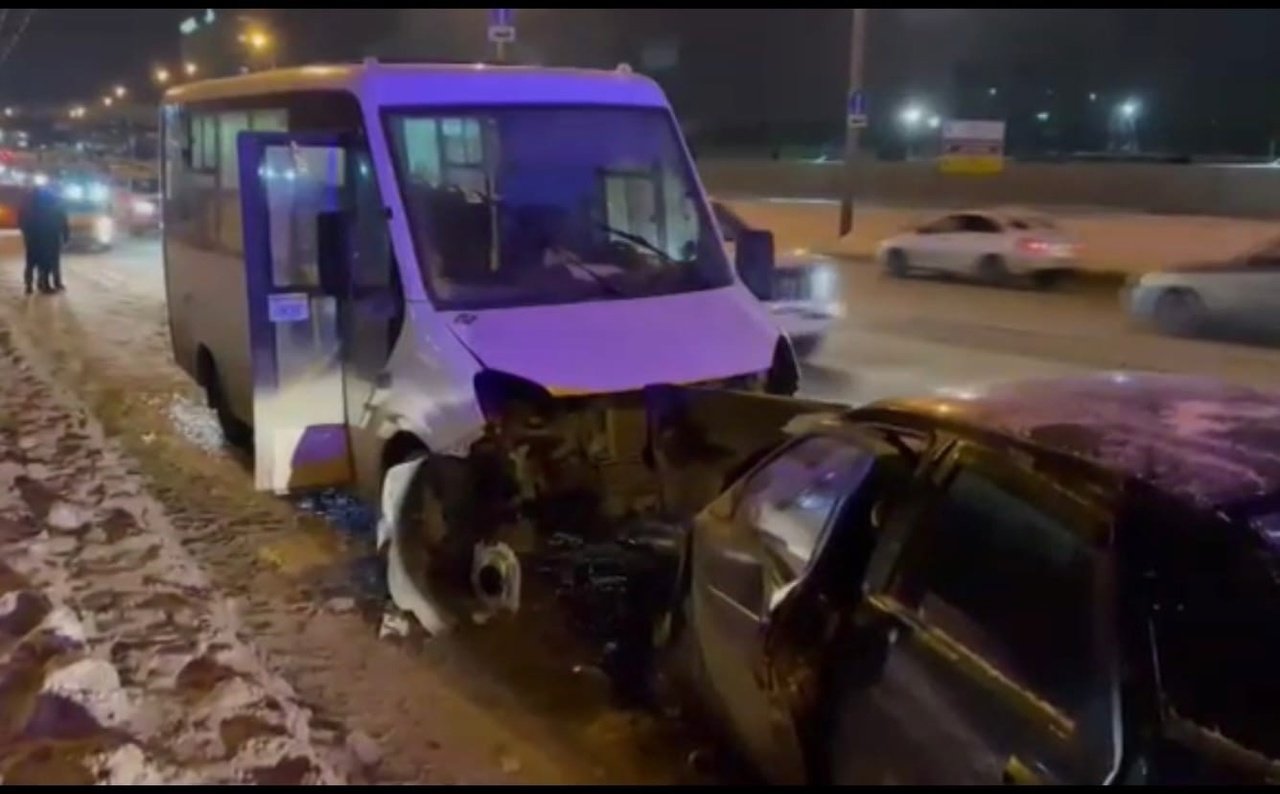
x: 333, y: 252
x: 754, y: 261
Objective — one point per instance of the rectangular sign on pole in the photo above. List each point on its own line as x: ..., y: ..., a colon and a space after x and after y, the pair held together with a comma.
x: 502, y: 25
x: 972, y: 147
x: 857, y: 110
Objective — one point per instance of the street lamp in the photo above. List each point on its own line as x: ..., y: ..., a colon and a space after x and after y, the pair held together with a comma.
x: 259, y: 40
x: 119, y: 91
x: 106, y: 100
x: 10, y: 112
x: 162, y: 75
x: 190, y: 68
x: 911, y: 116
x: 1042, y: 116
x: 1129, y: 108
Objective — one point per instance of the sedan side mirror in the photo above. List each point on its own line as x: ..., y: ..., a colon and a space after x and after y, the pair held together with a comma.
x: 754, y: 261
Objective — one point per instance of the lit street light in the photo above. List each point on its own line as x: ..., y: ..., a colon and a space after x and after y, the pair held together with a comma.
x: 10, y: 113
x: 190, y: 68
x: 991, y: 91
x: 1129, y: 108
x: 911, y: 116
x: 1042, y: 116
x: 1093, y: 96
x: 260, y: 43
x: 162, y: 75
x: 934, y: 122
x: 119, y: 91
x: 256, y: 39
x: 106, y: 100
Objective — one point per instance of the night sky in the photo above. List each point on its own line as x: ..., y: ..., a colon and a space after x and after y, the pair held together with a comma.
x: 1192, y: 69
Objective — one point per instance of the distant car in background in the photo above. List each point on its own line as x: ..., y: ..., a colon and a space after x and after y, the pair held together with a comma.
x: 806, y: 296
x: 992, y: 246
x: 1239, y: 293
x: 137, y: 205
x: 86, y: 196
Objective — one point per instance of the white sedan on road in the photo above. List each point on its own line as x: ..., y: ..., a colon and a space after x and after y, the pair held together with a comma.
x: 992, y: 246
x: 1241, y: 293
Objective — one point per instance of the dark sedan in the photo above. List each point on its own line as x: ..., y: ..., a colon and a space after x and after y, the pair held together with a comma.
x: 1068, y: 581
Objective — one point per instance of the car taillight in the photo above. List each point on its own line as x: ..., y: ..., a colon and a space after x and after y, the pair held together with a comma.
x: 1030, y: 245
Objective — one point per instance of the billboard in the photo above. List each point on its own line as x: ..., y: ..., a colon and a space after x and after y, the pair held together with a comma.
x: 972, y: 147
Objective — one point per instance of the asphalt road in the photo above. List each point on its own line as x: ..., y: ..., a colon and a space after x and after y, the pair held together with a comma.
x: 907, y: 336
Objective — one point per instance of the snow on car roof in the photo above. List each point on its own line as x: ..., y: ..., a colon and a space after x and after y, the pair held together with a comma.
x: 1213, y: 443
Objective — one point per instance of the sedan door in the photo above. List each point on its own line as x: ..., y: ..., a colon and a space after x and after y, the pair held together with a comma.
x: 984, y: 635
x: 748, y: 550
x: 929, y: 245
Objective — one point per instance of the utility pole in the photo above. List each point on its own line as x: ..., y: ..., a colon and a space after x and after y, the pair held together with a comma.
x: 857, y: 44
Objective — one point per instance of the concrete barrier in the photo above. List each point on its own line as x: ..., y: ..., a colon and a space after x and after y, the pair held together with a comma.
x: 1110, y: 242
x: 1234, y: 191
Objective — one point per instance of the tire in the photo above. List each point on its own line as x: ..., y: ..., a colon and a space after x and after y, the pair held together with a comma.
x: 1179, y: 312
x: 896, y: 264
x: 992, y: 269
x: 237, y: 434
x: 441, y: 512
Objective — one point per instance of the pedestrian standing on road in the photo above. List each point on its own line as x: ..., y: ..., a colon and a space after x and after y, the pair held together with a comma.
x: 44, y: 231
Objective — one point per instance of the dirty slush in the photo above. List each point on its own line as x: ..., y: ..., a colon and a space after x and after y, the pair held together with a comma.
x: 118, y: 662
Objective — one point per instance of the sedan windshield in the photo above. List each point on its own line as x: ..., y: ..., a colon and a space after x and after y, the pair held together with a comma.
x: 522, y: 206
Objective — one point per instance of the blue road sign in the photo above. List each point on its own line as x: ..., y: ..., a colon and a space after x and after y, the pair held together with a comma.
x: 502, y: 25
x: 857, y: 109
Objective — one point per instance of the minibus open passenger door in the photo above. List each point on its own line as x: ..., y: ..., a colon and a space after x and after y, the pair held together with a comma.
x: 295, y: 195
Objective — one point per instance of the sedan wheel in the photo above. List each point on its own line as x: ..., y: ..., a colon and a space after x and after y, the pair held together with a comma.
x: 1179, y: 312
x: 992, y: 269
x: 895, y: 262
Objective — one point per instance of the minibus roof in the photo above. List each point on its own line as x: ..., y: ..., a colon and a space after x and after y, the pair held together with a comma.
x: 407, y: 85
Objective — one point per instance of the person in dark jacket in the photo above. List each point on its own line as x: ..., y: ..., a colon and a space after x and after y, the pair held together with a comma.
x: 44, y: 231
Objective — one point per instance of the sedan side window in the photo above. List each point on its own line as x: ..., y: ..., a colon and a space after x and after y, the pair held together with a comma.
x: 979, y: 224
x: 950, y: 223
x: 1012, y: 580
x: 790, y: 500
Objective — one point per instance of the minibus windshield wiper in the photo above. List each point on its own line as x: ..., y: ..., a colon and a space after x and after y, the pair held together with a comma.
x: 604, y: 283
x: 641, y: 241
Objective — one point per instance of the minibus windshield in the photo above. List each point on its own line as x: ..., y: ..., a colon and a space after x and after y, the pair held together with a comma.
x: 536, y: 205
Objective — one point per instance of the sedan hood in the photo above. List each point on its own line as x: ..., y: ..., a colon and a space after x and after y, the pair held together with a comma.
x: 623, y: 345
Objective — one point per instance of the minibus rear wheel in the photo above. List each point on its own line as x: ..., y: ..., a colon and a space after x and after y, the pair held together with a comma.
x: 236, y: 433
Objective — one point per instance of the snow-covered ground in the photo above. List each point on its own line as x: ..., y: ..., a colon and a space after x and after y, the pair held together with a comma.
x: 1113, y: 242
x: 119, y: 662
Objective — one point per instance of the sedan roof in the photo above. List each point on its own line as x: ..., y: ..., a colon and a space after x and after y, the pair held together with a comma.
x: 1215, y: 444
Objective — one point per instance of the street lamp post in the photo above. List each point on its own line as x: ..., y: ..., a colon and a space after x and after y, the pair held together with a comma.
x: 857, y: 60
